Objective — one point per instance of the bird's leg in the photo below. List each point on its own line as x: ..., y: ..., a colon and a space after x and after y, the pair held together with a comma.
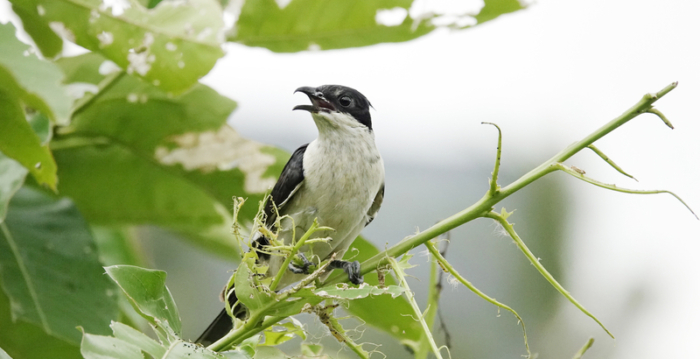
x: 300, y: 265
x: 352, y: 269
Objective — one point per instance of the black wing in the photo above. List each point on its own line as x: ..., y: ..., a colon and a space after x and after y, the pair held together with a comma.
x: 374, y: 208
x: 289, y: 182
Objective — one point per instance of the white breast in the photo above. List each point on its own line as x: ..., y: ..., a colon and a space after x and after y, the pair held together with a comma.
x: 343, y: 173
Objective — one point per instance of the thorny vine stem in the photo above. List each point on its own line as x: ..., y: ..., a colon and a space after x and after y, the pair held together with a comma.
x: 426, y: 330
x: 540, y: 268
x: 446, y: 266
x: 583, y: 349
x: 486, y: 203
x: 484, y: 206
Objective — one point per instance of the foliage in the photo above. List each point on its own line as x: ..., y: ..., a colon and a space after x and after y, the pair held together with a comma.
x: 125, y: 135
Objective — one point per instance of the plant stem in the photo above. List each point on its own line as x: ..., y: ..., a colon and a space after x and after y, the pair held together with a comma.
x: 484, y: 205
x: 314, y: 227
x: 583, y: 349
x: 540, y: 268
x: 609, y: 161
x: 412, y: 300
x: 493, y: 184
x: 431, y: 308
x: 253, y: 325
x: 612, y: 187
x: 448, y: 267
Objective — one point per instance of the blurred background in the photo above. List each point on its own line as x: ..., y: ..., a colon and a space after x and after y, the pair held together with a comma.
x: 548, y: 76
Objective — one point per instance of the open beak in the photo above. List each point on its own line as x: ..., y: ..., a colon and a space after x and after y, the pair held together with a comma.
x: 318, y: 101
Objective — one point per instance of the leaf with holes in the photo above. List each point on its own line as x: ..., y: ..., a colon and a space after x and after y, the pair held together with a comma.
x: 171, y: 45
x: 382, y: 311
x: 334, y: 24
x: 147, y: 292
x: 166, y: 160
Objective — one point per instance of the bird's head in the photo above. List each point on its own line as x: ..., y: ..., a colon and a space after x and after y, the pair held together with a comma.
x: 337, y: 106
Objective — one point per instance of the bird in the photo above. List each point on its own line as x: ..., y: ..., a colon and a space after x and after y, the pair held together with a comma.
x: 336, y: 179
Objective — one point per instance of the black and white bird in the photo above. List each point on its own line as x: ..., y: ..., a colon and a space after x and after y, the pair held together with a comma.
x: 337, y: 179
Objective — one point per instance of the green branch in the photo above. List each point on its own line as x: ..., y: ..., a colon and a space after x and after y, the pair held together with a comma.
x: 583, y: 349
x: 612, y: 187
x: 446, y: 266
x: 257, y: 321
x: 325, y: 315
x: 313, y: 229
x: 484, y: 205
x: 493, y: 183
x: 399, y: 271
x: 540, y: 268
x: 609, y: 161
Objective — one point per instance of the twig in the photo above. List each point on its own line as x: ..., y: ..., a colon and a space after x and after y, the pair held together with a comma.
x: 583, y: 349
x: 448, y: 267
x: 540, y: 268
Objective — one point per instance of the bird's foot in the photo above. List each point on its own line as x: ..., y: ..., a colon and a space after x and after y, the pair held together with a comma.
x: 300, y: 265
x: 352, y: 269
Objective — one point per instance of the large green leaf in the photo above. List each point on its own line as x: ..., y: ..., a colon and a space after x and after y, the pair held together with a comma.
x: 165, y: 160
x: 36, y: 82
x: 392, y: 315
x: 331, y: 24
x: 147, y: 292
x: 20, y: 338
x: 171, y: 45
x: 334, y: 24
x: 50, y: 270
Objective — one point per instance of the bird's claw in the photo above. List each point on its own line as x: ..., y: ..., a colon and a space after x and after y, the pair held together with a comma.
x: 352, y: 269
x: 300, y: 265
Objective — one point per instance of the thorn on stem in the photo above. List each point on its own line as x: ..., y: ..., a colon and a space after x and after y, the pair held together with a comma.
x: 661, y: 116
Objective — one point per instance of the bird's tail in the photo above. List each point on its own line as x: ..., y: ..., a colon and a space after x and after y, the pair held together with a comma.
x: 223, y: 322
x: 217, y: 329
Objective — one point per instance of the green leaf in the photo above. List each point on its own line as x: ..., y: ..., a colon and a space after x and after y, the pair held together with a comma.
x: 45, y: 39
x: 331, y: 24
x: 335, y: 24
x: 280, y: 333
x: 103, y: 347
x: 269, y: 353
x: 247, y: 290
x: 4, y: 355
x: 18, y: 141
x: 20, y: 338
x: 36, y: 82
x: 171, y: 45
x: 140, y: 340
x: 50, y: 270
x: 147, y: 292
x: 495, y: 8
x: 392, y: 315
x: 159, y: 159
x: 311, y: 349
x: 345, y: 292
x: 12, y: 176
x: 128, y: 343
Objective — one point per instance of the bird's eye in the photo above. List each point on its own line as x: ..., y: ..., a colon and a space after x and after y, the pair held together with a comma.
x: 345, y: 101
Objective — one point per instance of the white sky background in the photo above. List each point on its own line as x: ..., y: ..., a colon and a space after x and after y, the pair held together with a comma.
x: 548, y: 76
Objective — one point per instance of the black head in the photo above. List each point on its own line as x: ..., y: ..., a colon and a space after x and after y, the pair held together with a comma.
x: 328, y: 98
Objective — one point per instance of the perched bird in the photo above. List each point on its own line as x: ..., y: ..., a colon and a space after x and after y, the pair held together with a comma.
x: 337, y: 179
